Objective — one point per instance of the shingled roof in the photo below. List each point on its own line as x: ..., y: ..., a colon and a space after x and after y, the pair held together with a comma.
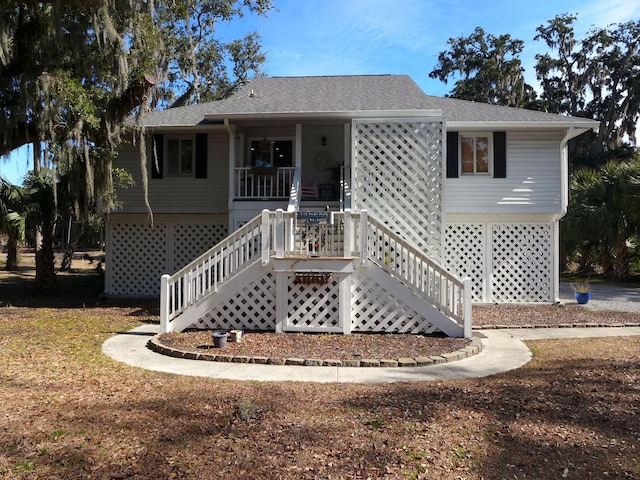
x: 344, y: 96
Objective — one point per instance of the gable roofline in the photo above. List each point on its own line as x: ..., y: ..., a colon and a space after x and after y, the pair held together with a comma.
x: 346, y: 114
x: 354, y: 96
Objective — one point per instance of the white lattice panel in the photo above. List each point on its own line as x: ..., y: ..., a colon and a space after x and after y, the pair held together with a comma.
x: 252, y: 308
x: 137, y: 256
x: 374, y: 309
x: 192, y: 239
x: 465, y: 254
x: 521, y: 262
x: 314, y: 307
x: 397, y: 174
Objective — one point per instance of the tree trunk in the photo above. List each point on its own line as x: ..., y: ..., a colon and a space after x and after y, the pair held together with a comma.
x: 621, y: 259
x: 37, y: 151
x: 45, y: 265
x: 12, y: 254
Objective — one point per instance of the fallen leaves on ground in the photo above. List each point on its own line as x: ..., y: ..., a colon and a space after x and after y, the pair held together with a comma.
x: 69, y: 412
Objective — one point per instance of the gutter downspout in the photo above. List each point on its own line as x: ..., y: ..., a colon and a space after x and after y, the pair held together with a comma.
x: 564, y: 203
x: 564, y: 174
x: 232, y: 161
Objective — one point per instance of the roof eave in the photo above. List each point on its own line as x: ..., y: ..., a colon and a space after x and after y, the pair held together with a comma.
x: 346, y: 114
x: 580, y: 124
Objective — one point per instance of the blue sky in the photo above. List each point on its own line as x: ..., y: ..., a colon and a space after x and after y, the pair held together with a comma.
x: 349, y: 37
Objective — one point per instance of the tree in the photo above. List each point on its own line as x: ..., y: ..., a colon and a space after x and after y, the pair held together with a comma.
x: 563, y: 78
x: 597, y: 77
x: 604, y: 213
x: 490, y: 68
x: 12, y: 220
x: 614, y: 82
x: 42, y: 214
x: 73, y: 71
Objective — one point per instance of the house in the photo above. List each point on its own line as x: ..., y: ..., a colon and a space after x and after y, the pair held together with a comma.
x: 344, y: 203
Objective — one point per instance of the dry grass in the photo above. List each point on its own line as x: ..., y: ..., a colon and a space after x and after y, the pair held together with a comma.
x: 69, y: 412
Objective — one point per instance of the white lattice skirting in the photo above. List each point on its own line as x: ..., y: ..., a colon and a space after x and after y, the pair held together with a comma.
x: 508, y: 262
x: 315, y: 307
x: 375, y: 309
x: 251, y: 308
x: 139, y: 254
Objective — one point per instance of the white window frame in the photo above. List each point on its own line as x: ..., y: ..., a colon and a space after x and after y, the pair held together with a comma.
x: 474, y: 135
x: 178, y: 172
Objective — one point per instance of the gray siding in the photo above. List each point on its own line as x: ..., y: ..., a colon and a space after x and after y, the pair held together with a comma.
x: 179, y: 195
x: 532, y: 184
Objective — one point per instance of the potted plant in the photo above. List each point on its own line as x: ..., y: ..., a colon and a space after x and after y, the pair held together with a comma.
x: 582, y: 290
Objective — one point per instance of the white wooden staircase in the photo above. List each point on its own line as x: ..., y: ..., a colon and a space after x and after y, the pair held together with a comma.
x: 316, y: 272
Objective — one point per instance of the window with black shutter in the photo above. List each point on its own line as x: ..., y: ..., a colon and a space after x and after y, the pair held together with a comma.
x: 470, y: 153
x: 179, y: 156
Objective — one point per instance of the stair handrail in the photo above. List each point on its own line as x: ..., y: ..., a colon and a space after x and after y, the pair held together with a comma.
x: 396, y: 255
x: 207, y: 272
x: 294, y: 195
x: 345, y: 188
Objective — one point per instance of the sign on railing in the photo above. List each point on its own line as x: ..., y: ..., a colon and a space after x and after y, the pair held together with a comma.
x: 313, y: 218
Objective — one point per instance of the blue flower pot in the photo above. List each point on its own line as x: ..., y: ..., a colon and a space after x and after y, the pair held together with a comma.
x: 583, y: 298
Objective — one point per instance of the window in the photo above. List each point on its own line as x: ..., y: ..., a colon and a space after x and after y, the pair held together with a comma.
x: 271, y: 153
x: 180, y: 156
x: 475, y: 153
x: 184, y: 156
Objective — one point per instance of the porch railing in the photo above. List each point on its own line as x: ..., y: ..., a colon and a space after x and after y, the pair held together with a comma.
x: 317, y: 234
x: 263, y: 182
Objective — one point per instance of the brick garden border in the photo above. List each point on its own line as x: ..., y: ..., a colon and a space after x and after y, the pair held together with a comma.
x: 472, y: 349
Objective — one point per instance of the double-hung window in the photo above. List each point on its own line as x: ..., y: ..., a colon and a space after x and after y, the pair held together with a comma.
x: 475, y: 152
x: 180, y: 156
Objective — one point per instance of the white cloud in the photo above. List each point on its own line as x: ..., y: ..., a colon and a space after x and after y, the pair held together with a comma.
x: 605, y: 12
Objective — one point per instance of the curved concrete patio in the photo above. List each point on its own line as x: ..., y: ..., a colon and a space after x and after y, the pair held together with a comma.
x: 502, y: 350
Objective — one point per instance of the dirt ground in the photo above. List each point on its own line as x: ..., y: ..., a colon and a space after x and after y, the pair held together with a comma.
x: 69, y: 412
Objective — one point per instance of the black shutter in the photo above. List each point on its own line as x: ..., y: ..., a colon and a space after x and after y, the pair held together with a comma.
x: 157, y: 156
x: 452, y: 154
x: 201, y: 155
x: 499, y: 155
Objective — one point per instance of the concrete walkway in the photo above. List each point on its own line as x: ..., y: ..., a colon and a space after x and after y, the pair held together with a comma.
x: 502, y: 350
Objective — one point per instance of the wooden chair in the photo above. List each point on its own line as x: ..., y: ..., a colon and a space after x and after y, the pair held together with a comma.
x: 309, y: 190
